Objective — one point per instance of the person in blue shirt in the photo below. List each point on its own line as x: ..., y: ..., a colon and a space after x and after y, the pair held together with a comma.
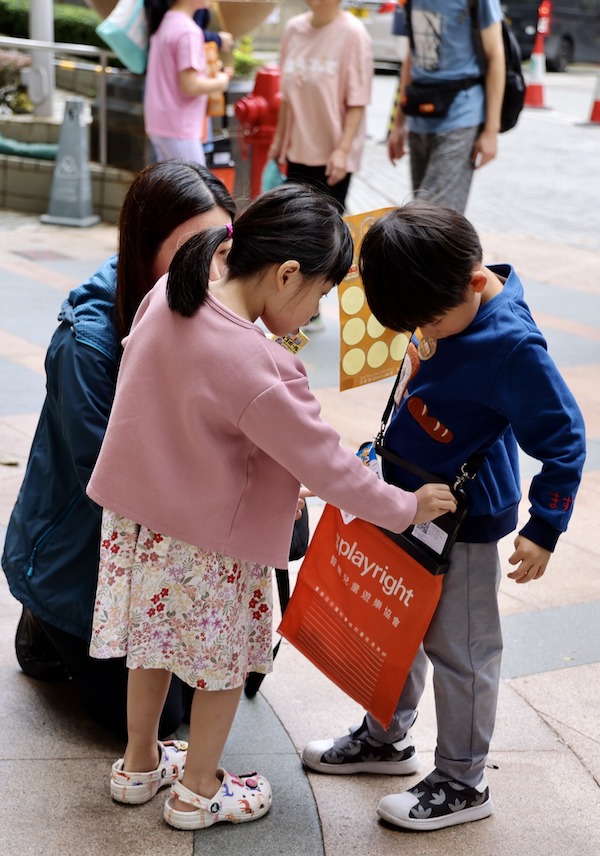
x: 479, y: 382
x: 445, y: 149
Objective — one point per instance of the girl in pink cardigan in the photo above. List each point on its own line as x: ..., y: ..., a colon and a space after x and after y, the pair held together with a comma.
x: 177, y: 81
x: 211, y: 434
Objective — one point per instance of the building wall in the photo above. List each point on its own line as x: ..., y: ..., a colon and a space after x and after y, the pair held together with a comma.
x: 268, y: 35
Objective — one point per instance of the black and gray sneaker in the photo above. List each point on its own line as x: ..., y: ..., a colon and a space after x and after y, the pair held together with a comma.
x: 356, y: 752
x: 434, y: 804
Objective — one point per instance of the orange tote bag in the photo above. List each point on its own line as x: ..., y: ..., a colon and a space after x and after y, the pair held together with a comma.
x: 360, y: 608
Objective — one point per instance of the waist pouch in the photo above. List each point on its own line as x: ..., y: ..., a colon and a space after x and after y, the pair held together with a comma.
x: 434, y: 99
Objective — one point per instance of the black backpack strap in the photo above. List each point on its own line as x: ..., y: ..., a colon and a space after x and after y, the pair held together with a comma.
x: 409, y: 29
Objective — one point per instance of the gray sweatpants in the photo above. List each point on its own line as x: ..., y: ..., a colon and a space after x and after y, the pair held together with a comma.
x: 464, y: 644
x: 441, y: 166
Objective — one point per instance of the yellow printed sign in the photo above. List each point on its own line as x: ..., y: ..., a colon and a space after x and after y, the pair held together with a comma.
x: 368, y: 351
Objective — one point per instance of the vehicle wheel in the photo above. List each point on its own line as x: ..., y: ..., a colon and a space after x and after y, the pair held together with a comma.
x: 562, y: 57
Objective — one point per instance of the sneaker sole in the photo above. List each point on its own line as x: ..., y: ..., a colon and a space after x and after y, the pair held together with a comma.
x: 378, y: 768
x: 177, y: 820
x: 194, y: 820
x: 478, y: 812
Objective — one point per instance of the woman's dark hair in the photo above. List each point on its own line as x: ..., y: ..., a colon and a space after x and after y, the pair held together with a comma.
x: 292, y: 221
x: 155, y: 12
x: 161, y: 198
x: 416, y: 263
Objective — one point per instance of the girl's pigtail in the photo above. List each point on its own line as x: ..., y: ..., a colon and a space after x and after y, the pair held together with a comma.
x: 187, y: 281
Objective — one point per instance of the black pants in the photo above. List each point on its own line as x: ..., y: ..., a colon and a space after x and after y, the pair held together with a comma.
x: 315, y: 176
x: 102, y: 685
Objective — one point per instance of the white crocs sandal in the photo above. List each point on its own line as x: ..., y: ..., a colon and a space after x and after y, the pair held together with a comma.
x: 136, y: 788
x: 238, y: 800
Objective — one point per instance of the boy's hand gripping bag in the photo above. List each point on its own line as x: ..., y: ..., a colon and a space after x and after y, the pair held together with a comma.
x: 360, y: 609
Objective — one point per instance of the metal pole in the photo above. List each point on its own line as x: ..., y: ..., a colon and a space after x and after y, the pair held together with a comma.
x: 41, y: 80
x: 102, y: 110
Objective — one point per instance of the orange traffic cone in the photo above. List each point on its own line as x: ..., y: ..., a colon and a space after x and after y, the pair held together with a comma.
x: 534, y: 91
x: 595, y: 112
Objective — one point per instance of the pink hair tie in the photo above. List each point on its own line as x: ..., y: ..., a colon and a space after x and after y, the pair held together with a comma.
x: 229, y: 228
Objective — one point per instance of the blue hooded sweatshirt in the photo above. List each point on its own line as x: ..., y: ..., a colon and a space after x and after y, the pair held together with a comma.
x: 483, y: 391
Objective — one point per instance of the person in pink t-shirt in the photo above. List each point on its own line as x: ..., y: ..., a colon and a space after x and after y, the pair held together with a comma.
x: 326, y: 75
x: 176, y: 82
x: 212, y: 432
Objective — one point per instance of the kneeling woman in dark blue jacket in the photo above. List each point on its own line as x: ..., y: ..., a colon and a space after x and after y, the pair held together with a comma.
x: 52, y: 543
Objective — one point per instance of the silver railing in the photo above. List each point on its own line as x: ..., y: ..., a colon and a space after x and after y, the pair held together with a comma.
x: 90, y: 51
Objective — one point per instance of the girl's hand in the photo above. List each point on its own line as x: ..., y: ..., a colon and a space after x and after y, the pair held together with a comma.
x: 531, y: 559
x: 433, y: 500
x: 275, y: 150
x: 300, y: 502
x: 221, y: 80
x: 336, y: 167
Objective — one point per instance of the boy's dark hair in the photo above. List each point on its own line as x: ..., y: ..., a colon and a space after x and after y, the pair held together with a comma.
x: 416, y: 263
x: 161, y: 198
x: 292, y: 221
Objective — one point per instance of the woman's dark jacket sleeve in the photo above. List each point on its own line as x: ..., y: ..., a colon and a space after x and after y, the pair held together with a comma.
x: 51, y: 549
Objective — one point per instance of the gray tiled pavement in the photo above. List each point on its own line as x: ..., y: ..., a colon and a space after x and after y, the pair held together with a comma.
x: 537, y: 206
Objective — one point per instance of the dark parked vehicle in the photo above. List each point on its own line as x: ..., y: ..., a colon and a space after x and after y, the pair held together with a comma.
x: 571, y: 29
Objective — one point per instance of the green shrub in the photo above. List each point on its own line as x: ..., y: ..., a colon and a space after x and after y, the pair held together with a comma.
x: 14, y: 18
x: 72, y: 24
x: 76, y: 24
x: 244, y: 61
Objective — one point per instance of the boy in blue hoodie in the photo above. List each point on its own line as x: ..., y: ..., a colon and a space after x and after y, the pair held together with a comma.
x: 479, y: 382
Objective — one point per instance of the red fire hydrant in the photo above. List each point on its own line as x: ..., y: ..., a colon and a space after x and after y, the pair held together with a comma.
x: 257, y: 114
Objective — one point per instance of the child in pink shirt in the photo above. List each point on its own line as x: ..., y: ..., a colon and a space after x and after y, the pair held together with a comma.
x: 212, y: 432
x: 176, y: 82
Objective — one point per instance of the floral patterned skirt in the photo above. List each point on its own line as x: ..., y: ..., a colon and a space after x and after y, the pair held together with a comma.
x: 165, y: 604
